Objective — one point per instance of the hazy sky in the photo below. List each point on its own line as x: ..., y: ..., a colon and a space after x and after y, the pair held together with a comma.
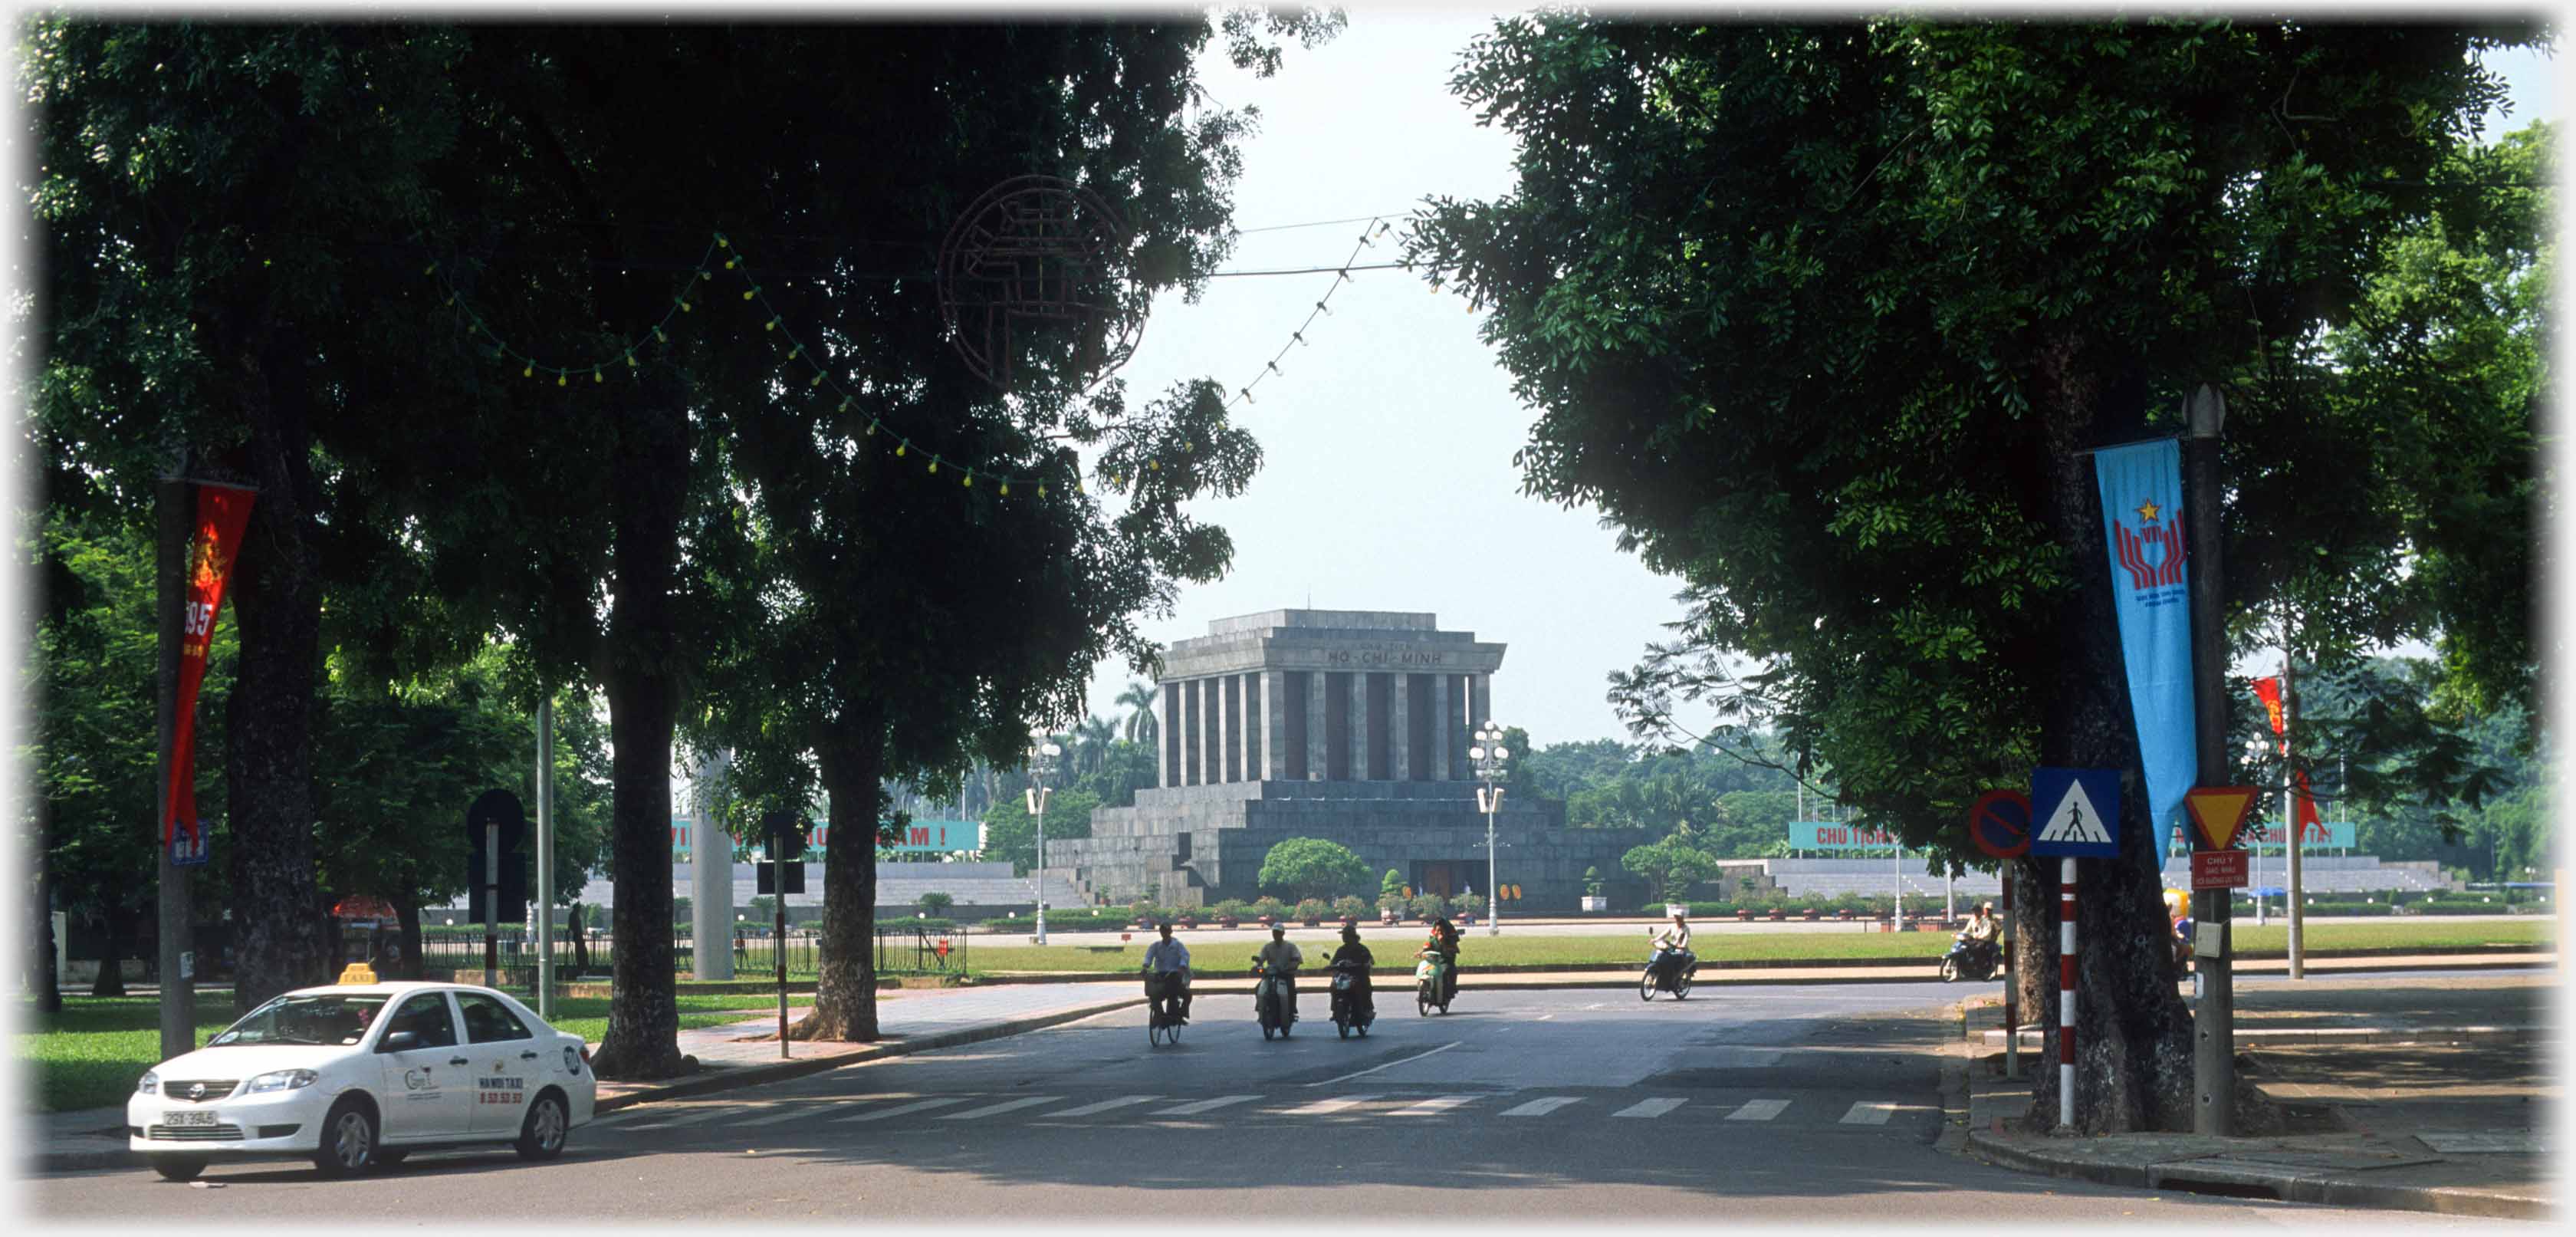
x: 1387, y: 481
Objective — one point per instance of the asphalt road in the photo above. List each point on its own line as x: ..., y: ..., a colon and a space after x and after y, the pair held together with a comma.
x: 1768, y: 1103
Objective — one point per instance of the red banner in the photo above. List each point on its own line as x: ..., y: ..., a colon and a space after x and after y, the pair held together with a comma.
x: 222, y: 512
x: 2270, y: 690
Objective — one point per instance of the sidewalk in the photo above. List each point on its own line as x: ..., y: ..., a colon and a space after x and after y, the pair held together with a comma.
x: 2427, y: 1093
x: 916, y: 1022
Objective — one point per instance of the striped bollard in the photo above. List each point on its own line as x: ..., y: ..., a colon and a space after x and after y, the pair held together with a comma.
x: 2066, y: 994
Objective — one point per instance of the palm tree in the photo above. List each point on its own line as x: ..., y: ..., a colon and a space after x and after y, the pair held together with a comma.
x: 1139, y: 701
x: 1091, y: 739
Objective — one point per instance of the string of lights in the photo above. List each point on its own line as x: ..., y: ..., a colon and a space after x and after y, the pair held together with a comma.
x: 1377, y: 226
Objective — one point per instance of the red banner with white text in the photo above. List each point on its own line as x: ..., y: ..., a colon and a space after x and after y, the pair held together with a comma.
x: 222, y: 513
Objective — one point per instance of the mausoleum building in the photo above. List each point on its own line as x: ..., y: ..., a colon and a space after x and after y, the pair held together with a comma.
x: 1347, y: 725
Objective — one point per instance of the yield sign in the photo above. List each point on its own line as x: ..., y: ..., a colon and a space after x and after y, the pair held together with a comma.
x: 2219, y: 811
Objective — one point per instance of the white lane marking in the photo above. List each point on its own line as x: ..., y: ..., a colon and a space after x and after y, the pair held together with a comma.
x: 899, y: 1110
x: 1868, y: 1112
x: 1540, y: 1108
x: 1105, y: 1105
x: 1759, y: 1110
x: 1545, y: 1017
x: 1199, y: 1106
x: 1432, y: 1106
x: 780, y: 1117
x: 1595, y: 1005
x: 1649, y: 1108
x: 1323, y: 1107
x: 709, y: 1114
x: 1389, y: 1065
x: 1026, y: 1101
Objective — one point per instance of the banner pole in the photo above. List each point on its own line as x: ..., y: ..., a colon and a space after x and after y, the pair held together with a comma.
x: 174, y: 911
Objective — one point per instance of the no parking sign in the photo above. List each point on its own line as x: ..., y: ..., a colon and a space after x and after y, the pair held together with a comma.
x: 1999, y: 823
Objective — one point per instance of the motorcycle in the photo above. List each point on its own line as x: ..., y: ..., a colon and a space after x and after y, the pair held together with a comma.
x: 1272, y: 1000
x: 1971, y: 960
x: 1431, y: 983
x: 1353, y: 1008
x: 1674, y: 978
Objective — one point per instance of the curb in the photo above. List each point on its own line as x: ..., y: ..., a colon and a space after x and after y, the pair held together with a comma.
x: 2032, y: 1041
x: 2287, y: 1185
x: 723, y: 1080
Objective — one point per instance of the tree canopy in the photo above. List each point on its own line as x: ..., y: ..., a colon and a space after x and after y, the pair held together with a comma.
x: 1295, y: 869
x: 1823, y: 318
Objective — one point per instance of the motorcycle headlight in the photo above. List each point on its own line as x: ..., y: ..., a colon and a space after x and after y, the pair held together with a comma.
x: 280, y: 1080
x: 150, y: 1084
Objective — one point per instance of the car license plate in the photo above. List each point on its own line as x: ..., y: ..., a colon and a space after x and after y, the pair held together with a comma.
x: 179, y: 1120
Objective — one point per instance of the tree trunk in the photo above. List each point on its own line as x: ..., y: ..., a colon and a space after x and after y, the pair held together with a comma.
x: 276, y: 596
x: 407, y: 914
x: 2133, y: 1062
x: 44, y: 983
x: 845, y: 996
x: 118, y: 921
x: 2034, y: 945
x: 639, y: 658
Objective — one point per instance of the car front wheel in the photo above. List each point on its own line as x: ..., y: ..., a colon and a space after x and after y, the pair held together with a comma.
x: 178, y: 1167
x: 541, y: 1135
x: 348, y: 1140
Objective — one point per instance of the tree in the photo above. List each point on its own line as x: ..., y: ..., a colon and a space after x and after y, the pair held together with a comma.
x: 1007, y: 834
x: 936, y: 903
x: 1669, y: 867
x: 1823, y: 319
x: 1141, y: 701
x: 1299, y: 868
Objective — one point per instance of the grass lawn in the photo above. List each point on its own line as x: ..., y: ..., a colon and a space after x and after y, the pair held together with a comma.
x: 1392, y: 947
x: 89, y: 1055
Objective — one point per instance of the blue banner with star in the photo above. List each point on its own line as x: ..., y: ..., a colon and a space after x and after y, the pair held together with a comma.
x: 2142, y: 512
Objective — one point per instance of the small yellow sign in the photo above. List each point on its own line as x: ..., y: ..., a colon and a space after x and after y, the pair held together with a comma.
x: 358, y: 973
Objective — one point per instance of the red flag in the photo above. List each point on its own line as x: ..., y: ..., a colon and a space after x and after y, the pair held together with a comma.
x: 222, y: 512
x: 2303, y: 801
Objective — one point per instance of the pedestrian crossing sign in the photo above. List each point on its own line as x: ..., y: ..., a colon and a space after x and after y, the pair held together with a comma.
x: 2081, y: 812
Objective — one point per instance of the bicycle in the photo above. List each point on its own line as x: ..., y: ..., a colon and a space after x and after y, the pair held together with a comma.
x: 1163, y: 1009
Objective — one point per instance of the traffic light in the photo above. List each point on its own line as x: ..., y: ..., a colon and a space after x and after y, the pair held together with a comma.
x: 784, y: 832
x: 500, y: 811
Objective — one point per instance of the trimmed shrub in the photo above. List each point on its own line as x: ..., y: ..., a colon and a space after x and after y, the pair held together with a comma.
x: 1350, y: 907
x: 1267, y: 907
x: 1313, y: 910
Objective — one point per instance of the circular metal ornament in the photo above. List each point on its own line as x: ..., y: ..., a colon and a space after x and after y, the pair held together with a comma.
x: 1038, y: 259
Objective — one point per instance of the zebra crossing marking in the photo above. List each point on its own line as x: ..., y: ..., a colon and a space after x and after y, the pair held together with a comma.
x: 1869, y: 1112
x: 779, y: 1117
x: 1650, y: 1108
x: 1200, y: 1106
x: 1327, y: 1107
x: 711, y: 1113
x: 1105, y: 1106
x: 1758, y: 1110
x: 1432, y: 1106
x: 899, y: 1110
x: 1540, y: 1108
x: 1026, y: 1101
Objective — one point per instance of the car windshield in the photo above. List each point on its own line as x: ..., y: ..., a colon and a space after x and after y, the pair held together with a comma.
x: 305, y: 1018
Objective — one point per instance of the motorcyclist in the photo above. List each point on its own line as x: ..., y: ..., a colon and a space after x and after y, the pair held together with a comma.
x: 1983, y: 932
x: 1281, y: 958
x: 1672, y: 947
x: 1167, y: 970
x: 1363, y: 999
x: 1444, y: 942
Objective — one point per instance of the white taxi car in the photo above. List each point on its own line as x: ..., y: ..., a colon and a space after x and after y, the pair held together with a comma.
x: 361, y: 1074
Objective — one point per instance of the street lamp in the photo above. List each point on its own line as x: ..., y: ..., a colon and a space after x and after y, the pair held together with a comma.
x: 1490, y: 756
x: 2254, y: 750
x: 1042, y: 754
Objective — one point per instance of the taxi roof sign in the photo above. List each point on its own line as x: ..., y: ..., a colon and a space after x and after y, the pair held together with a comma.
x: 358, y: 973
x: 2219, y: 811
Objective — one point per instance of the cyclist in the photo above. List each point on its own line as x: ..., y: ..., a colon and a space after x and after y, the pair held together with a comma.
x: 1167, y: 971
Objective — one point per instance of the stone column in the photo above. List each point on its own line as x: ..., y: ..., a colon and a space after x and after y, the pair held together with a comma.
x: 1359, y: 725
x: 1480, y: 702
x: 1166, y: 733
x: 1221, y: 735
x: 1440, y: 727
x: 1192, y: 714
x: 1319, y: 726
x: 1205, y: 734
x: 1247, y: 767
x: 1399, y: 727
x: 1274, y: 724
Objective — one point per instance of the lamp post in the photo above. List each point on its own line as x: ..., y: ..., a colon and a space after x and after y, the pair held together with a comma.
x: 1490, y: 757
x: 1042, y: 754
